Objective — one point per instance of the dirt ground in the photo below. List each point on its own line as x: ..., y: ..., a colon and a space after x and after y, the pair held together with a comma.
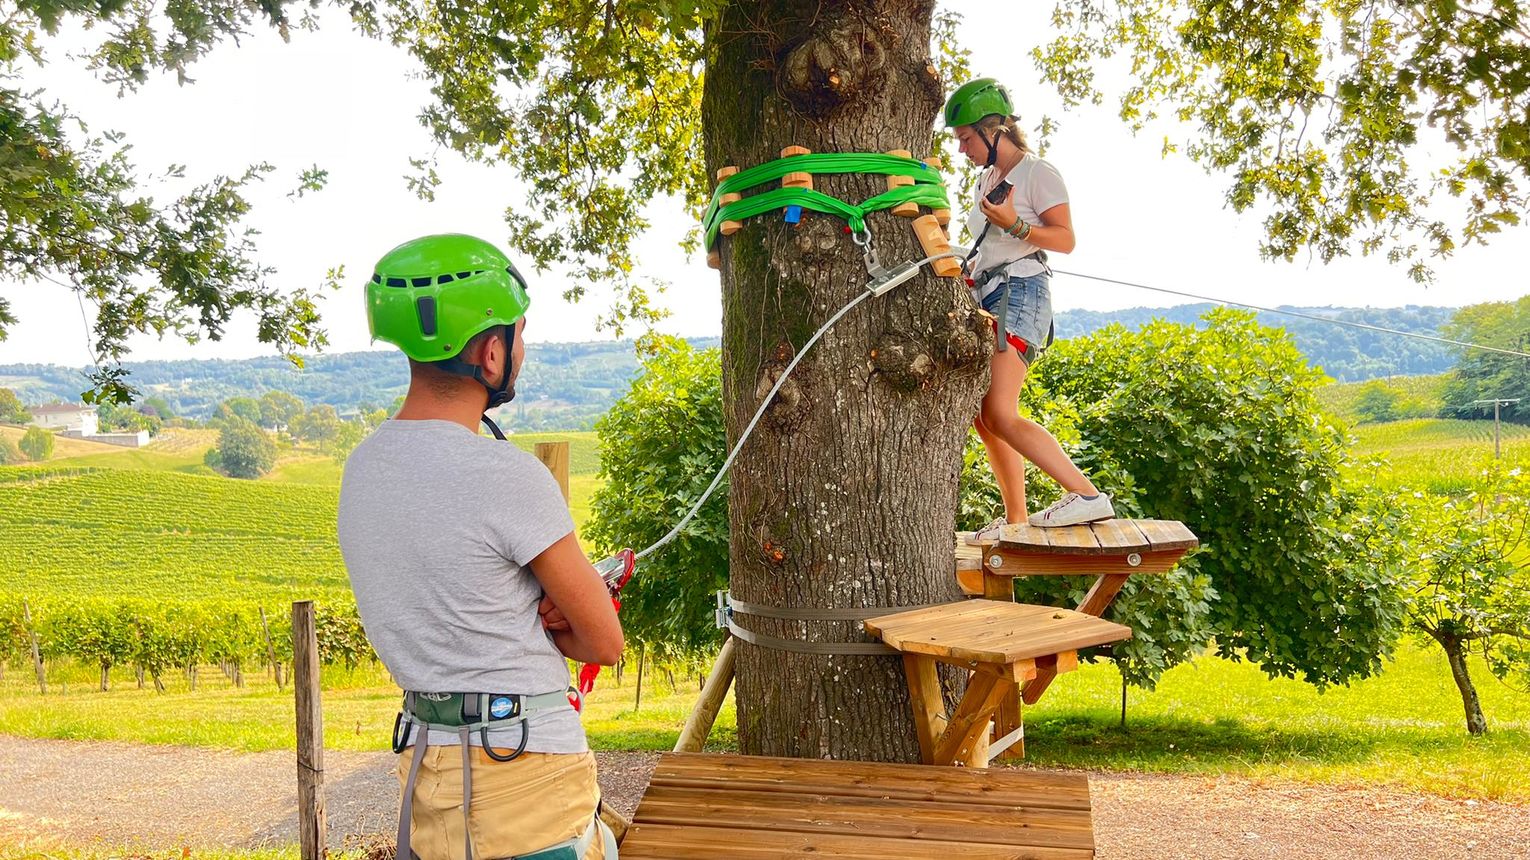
x: 88, y: 794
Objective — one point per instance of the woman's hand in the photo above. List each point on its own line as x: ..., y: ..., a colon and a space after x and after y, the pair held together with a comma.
x: 1001, y: 215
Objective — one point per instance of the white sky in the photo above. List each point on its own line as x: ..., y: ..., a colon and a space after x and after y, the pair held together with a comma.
x: 349, y: 105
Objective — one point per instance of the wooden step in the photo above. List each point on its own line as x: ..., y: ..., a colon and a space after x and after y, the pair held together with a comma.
x: 709, y: 806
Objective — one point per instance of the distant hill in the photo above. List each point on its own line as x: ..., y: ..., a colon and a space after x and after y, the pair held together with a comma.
x: 1346, y: 354
x: 566, y: 386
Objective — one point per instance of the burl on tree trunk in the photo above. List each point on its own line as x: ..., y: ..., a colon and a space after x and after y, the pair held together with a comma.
x: 846, y: 495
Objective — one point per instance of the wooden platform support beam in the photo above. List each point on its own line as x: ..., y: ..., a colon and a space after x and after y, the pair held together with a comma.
x: 699, y: 724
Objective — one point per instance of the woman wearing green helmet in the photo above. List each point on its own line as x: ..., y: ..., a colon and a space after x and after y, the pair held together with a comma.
x: 1019, y: 213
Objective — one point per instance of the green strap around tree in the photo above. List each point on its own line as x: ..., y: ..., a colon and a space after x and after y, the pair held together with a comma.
x: 929, y: 188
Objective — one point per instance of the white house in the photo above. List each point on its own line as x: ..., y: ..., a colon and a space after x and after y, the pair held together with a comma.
x: 65, y: 416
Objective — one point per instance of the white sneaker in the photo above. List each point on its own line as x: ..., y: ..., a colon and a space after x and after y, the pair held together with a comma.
x: 1073, y: 509
x: 988, y: 533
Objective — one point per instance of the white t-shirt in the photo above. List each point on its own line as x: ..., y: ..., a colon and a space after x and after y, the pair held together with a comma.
x: 1038, y: 187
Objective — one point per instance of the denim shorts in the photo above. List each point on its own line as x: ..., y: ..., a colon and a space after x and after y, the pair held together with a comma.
x: 1028, y: 318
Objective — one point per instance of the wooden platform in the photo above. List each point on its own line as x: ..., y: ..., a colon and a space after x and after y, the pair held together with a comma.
x: 715, y: 806
x: 1120, y: 547
x: 1111, y: 551
x: 1004, y: 645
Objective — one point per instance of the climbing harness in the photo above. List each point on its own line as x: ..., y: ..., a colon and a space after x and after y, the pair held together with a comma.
x: 466, y: 713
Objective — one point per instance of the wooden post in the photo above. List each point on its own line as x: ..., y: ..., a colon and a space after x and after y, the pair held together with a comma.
x: 554, y: 455
x: 276, y: 671
x: 637, y: 701
x: 37, y: 663
x: 699, y: 724
x: 908, y: 209
x: 310, y: 732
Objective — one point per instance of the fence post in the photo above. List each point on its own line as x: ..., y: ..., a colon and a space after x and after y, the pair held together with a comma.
x: 37, y: 663
x: 276, y: 671
x: 310, y: 732
x: 554, y: 455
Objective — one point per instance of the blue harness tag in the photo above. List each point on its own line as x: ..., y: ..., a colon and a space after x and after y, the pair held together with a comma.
x: 501, y: 707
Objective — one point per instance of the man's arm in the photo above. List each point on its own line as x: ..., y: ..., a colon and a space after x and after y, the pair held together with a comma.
x: 588, y: 630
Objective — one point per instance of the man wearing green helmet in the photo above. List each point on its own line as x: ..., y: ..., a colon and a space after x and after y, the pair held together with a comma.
x: 1020, y: 212
x: 468, y: 576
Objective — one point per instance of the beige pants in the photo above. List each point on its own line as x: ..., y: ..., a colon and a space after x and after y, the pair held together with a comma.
x: 520, y: 806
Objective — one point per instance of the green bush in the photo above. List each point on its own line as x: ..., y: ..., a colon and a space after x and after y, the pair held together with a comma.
x: 1219, y: 427
x: 660, y: 445
x: 10, y: 455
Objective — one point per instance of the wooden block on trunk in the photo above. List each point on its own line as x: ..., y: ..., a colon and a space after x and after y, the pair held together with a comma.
x: 907, y: 209
x: 933, y: 239
x: 796, y: 180
x: 729, y: 227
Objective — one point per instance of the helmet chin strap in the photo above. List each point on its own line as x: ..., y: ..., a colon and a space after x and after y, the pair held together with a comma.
x: 499, y: 394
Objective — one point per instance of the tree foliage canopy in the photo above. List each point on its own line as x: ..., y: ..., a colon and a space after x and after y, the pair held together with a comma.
x: 1318, y: 107
x: 1336, y: 113
x: 1483, y: 375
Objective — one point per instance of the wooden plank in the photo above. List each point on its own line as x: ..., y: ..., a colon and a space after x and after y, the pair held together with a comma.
x: 950, y: 820
x: 919, y: 622
x: 1102, y: 594
x: 971, y: 719
x: 653, y: 841
x: 1020, y: 564
x: 1168, y: 535
x: 910, y: 782
x: 998, y: 587
x: 1024, y: 536
x: 1009, y: 717
x: 989, y: 631
x: 1120, y: 535
x: 929, y: 706
x: 1075, y: 538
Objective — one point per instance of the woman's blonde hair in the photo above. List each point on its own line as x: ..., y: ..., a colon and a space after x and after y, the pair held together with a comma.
x: 1009, y: 126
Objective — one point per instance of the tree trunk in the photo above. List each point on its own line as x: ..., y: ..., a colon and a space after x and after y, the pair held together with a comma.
x: 106, y: 669
x: 846, y: 495
x: 1455, y: 653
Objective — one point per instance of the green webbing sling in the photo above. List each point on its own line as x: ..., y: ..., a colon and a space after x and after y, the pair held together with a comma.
x: 928, y: 188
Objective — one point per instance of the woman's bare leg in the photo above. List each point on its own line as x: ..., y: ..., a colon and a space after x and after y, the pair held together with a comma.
x: 1029, y: 439
x: 1008, y: 471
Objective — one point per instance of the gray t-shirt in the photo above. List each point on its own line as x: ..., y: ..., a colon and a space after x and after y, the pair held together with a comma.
x: 438, y: 526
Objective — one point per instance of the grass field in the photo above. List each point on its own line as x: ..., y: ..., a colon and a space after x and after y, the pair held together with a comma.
x: 1214, y: 716
x: 1441, y: 455
x: 155, y: 522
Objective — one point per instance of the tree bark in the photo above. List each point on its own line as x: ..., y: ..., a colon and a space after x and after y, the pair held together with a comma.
x: 1455, y: 654
x: 846, y: 495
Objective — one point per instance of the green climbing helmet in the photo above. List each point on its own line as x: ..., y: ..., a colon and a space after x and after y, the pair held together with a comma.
x: 431, y: 295
x: 976, y: 99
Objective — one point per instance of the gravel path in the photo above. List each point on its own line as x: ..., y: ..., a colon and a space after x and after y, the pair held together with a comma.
x: 74, y: 793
